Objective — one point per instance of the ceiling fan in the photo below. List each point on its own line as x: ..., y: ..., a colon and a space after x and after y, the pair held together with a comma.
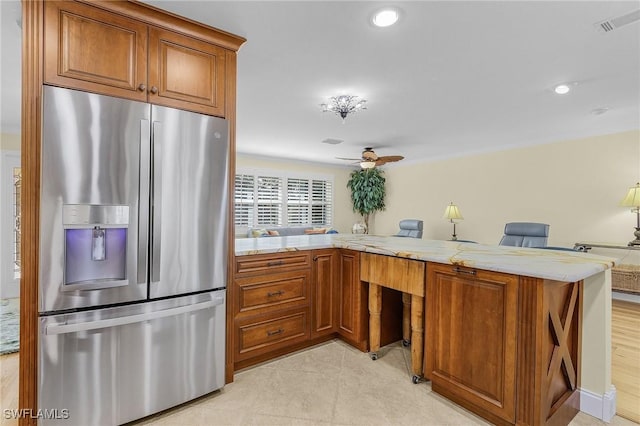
x: 370, y: 159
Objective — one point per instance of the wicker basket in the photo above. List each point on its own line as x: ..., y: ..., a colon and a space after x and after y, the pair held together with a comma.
x: 626, y: 278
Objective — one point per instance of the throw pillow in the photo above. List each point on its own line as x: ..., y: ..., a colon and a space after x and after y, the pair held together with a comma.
x: 259, y: 233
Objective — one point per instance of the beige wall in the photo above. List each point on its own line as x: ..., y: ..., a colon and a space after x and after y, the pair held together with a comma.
x: 343, y: 216
x: 575, y: 186
x: 9, y: 142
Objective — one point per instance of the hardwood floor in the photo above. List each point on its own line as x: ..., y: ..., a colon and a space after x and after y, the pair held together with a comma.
x: 625, y: 339
x: 625, y: 358
x: 8, y: 386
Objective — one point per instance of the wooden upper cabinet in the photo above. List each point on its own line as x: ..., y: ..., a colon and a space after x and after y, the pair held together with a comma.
x: 186, y: 73
x: 93, y: 50
x: 96, y: 50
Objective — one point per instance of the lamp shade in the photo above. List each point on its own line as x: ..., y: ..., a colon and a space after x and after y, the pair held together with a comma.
x: 633, y: 197
x: 368, y: 164
x: 452, y: 212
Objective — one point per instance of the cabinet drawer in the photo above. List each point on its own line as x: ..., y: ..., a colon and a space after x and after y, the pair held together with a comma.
x: 272, y: 291
x: 265, y: 334
x: 272, y: 262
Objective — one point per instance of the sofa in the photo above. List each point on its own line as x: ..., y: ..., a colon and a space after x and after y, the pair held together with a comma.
x: 285, y: 231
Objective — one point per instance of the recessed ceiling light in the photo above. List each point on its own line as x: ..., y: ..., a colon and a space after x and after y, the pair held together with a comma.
x: 562, y: 89
x: 385, y: 17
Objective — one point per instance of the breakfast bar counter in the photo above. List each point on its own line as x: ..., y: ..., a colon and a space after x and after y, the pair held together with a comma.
x: 516, y: 335
x: 539, y: 263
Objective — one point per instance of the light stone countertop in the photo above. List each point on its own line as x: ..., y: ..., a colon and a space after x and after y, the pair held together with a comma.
x: 550, y: 264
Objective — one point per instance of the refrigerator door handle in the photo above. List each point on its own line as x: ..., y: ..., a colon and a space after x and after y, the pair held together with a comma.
x: 63, y: 328
x: 156, y: 201
x: 143, y: 217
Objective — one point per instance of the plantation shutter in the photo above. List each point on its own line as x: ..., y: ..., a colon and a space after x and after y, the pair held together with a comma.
x: 244, y: 190
x: 297, y: 201
x: 269, y: 191
x: 321, y: 202
x: 270, y: 200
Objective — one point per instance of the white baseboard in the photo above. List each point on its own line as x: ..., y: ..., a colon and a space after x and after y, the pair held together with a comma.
x: 602, y: 407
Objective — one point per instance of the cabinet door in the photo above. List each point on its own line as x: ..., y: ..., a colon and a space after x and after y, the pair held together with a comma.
x: 94, y: 50
x: 324, y: 279
x: 471, y: 340
x: 353, y: 315
x: 186, y: 73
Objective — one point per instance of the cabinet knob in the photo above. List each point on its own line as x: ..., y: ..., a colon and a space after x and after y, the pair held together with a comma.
x: 153, y: 90
x: 142, y: 87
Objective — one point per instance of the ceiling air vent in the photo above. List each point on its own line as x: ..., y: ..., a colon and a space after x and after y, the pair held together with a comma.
x: 332, y: 141
x: 617, y: 22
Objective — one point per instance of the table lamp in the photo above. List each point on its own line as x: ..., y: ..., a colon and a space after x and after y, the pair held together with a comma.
x: 452, y: 212
x: 633, y: 200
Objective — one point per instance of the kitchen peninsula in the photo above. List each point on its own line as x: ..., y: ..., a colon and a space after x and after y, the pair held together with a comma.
x: 516, y: 335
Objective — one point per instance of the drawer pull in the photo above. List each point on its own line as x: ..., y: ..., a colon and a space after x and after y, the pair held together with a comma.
x: 275, y: 263
x: 464, y: 271
x: 273, y: 333
x: 275, y: 293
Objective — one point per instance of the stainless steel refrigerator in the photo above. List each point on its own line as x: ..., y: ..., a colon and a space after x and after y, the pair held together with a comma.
x: 133, y: 237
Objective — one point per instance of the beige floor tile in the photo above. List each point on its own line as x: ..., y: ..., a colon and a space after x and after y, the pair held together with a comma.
x: 298, y: 394
x: 268, y: 420
x: 330, y: 384
x: 325, y: 359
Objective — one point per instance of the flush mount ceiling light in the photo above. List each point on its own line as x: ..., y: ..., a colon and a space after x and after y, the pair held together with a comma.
x: 344, y: 105
x: 564, y: 88
x: 385, y: 17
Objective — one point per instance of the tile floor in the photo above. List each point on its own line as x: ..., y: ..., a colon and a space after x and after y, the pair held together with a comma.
x: 330, y: 384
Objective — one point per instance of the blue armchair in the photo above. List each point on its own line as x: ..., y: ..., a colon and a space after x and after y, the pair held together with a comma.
x: 525, y: 234
x: 410, y: 228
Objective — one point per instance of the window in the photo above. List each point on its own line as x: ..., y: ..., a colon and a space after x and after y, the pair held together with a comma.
x: 270, y: 199
x: 244, y: 200
x: 17, y: 183
x: 10, y: 229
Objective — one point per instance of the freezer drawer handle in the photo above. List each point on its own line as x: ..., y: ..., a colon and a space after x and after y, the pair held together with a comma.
x: 273, y: 333
x: 113, y: 322
x: 275, y: 293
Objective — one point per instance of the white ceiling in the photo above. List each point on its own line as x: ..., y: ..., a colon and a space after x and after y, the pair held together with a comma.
x: 451, y: 78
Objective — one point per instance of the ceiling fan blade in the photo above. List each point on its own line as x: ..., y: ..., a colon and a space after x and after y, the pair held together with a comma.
x: 388, y: 159
x: 350, y: 159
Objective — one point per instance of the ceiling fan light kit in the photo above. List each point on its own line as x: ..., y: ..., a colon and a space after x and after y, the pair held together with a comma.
x: 344, y: 105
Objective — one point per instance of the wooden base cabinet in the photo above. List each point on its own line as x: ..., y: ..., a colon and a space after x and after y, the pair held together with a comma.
x: 283, y: 302
x: 353, y: 315
x: 503, y: 346
x: 324, y: 280
x: 471, y: 339
x: 271, y: 296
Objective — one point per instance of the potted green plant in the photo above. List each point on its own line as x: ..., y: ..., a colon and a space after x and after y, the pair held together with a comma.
x: 367, y: 192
